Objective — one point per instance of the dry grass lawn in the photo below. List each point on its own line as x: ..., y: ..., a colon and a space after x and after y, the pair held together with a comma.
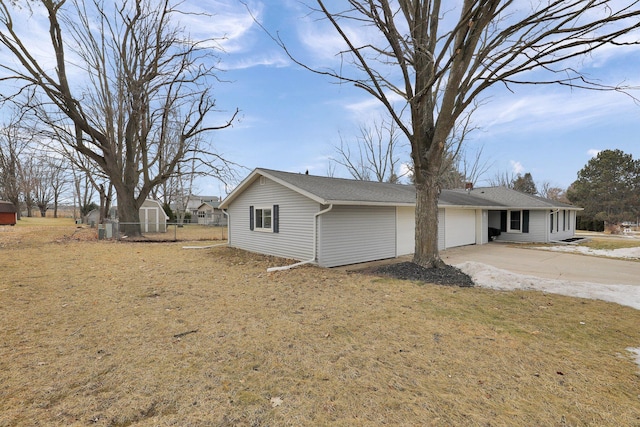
x: 150, y: 334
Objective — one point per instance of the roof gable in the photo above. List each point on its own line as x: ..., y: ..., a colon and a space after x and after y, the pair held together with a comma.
x: 326, y: 190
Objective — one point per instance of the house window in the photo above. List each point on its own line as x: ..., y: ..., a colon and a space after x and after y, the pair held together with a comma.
x: 515, y: 221
x: 263, y: 219
x: 201, y: 214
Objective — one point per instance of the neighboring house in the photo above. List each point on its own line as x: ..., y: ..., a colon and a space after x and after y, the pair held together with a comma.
x: 333, y: 221
x: 8, y: 213
x: 209, y: 213
x: 193, y: 203
x: 153, y: 219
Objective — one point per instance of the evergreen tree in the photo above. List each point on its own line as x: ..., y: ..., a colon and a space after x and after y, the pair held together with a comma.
x: 524, y: 183
x: 608, y: 187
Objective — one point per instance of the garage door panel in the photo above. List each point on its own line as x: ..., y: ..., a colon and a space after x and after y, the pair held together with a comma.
x: 460, y: 227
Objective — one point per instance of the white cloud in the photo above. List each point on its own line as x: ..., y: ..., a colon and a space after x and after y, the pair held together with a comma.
x: 593, y: 152
x: 527, y: 110
x: 516, y: 167
x: 370, y: 106
x: 228, y: 22
x: 276, y: 60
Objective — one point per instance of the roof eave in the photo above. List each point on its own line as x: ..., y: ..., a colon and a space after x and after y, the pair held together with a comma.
x: 365, y: 203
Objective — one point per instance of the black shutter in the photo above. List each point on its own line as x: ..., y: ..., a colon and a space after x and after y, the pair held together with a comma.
x: 525, y: 221
x: 276, y: 218
x: 251, y: 222
x: 503, y: 221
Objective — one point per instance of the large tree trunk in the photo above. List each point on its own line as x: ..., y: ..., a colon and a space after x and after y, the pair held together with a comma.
x: 426, y: 231
x: 426, y: 234
x: 128, y: 213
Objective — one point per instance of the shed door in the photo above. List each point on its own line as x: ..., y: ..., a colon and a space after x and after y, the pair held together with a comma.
x: 460, y: 227
x: 149, y: 220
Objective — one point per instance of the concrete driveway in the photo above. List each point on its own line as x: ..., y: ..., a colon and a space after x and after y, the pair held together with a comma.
x: 546, y: 264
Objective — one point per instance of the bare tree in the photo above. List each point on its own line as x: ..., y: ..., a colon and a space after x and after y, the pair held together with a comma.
x: 549, y: 191
x: 59, y: 181
x: 146, y: 84
x: 13, y: 144
x: 83, y: 190
x: 503, y: 179
x: 375, y: 155
x: 473, y: 166
x: 441, y: 57
x: 28, y: 183
x: 42, y: 175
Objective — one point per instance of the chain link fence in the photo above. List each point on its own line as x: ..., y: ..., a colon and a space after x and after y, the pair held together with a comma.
x: 160, y: 232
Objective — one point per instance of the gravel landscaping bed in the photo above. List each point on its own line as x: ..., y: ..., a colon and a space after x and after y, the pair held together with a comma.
x: 448, y: 275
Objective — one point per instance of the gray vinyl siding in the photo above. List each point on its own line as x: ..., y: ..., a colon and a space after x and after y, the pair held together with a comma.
x: 566, y: 229
x: 538, y: 226
x: 353, y: 234
x: 295, y: 237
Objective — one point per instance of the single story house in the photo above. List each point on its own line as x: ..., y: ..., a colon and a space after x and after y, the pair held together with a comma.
x: 334, y: 221
x: 8, y: 213
x: 209, y: 213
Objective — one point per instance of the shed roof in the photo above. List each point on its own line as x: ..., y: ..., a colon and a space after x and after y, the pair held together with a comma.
x: 7, y: 207
x: 340, y: 191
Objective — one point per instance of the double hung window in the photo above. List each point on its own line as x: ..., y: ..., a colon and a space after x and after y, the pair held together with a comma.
x: 263, y: 219
x: 515, y: 221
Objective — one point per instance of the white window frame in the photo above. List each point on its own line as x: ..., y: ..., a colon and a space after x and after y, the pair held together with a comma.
x: 259, y: 214
x: 513, y: 230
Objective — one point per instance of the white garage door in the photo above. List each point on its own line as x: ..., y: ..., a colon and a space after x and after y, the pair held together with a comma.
x: 459, y: 227
x: 405, y: 230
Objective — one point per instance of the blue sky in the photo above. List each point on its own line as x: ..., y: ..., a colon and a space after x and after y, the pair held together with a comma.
x: 291, y: 119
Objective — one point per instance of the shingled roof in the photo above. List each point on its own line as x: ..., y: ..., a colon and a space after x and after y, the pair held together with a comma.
x: 340, y: 191
x: 508, y: 197
x: 7, y: 207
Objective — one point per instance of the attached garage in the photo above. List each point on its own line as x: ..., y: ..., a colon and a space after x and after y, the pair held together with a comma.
x: 353, y: 234
x: 459, y: 227
x: 8, y: 213
x: 405, y: 230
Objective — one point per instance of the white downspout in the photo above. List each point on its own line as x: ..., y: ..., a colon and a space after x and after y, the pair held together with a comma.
x: 315, y: 244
